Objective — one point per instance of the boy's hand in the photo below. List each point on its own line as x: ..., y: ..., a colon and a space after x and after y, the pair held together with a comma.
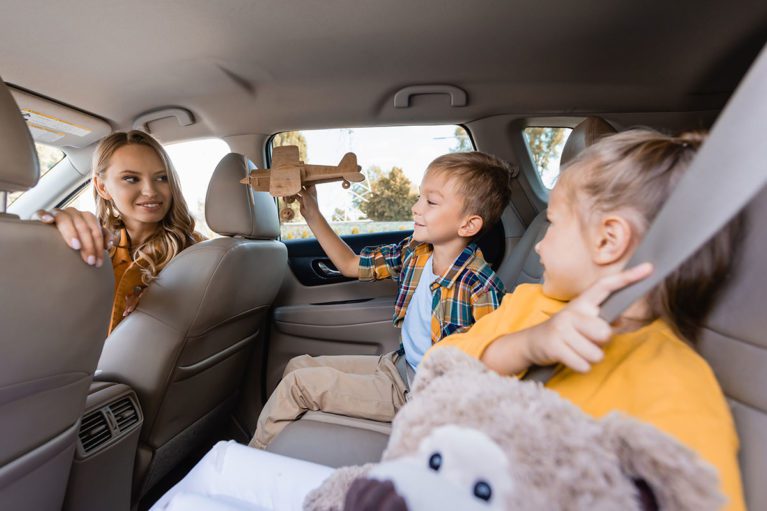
x: 81, y: 231
x: 307, y: 198
x: 575, y: 336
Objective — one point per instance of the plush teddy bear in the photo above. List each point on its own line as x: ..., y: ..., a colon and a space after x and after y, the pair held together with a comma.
x: 471, y: 439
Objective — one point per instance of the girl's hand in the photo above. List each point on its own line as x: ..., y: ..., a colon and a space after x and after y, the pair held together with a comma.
x: 81, y: 231
x: 576, y: 335
x: 307, y: 198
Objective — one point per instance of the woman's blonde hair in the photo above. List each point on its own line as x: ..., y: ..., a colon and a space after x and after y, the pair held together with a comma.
x: 634, y: 172
x: 176, y: 230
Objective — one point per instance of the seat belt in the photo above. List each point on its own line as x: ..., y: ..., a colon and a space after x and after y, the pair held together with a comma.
x: 726, y: 174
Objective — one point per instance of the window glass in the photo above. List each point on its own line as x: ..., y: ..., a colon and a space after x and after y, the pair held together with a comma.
x: 393, y: 160
x: 48, y: 156
x: 194, y: 162
x: 545, y: 145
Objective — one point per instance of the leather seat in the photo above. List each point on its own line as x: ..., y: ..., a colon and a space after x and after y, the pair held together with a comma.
x: 734, y: 341
x: 185, y: 348
x: 317, y: 434
x: 522, y: 265
x: 54, y: 315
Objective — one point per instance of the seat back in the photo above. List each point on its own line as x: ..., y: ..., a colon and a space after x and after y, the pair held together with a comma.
x: 185, y: 348
x: 54, y: 315
x: 734, y: 341
x: 522, y: 264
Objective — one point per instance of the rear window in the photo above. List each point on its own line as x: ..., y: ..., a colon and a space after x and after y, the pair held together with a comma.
x: 48, y: 156
x: 393, y: 160
x: 545, y: 145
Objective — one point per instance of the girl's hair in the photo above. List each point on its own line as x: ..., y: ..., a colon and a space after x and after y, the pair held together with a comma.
x: 176, y: 230
x: 634, y: 172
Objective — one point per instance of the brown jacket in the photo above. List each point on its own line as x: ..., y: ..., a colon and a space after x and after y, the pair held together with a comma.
x: 127, y: 279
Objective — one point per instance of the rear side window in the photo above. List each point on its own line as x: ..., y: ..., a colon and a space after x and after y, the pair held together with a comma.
x: 48, y: 156
x: 393, y: 160
x: 545, y: 145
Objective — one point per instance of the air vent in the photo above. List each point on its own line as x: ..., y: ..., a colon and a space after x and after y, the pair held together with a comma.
x: 94, y: 431
x: 125, y: 413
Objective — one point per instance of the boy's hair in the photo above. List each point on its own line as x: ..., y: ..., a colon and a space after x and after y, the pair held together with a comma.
x: 483, y: 182
x: 635, y: 172
x: 177, y: 228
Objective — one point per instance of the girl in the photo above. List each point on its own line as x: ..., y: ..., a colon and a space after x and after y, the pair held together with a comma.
x: 644, y: 364
x: 139, y: 200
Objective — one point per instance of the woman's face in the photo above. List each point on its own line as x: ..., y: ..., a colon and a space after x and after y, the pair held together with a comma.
x: 136, y: 180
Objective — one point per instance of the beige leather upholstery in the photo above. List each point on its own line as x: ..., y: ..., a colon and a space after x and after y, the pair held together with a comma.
x: 239, y: 211
x: 522, y: 264
x: 587, y: 132
x: 317, y: 435
x: 54, y: 314
x: 734, y: 341
x: 185, y: 348
x: 19, y: 169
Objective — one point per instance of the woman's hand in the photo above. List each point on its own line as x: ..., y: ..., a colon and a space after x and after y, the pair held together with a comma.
x: 131, y: 300
x: 307, y: 198
x: 576, y: 335
x: 81, y: 231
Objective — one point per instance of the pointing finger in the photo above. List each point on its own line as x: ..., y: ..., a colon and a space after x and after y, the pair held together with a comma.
x: 605, y: 286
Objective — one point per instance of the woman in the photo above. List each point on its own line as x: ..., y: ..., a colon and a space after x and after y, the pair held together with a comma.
x: 143, y: 220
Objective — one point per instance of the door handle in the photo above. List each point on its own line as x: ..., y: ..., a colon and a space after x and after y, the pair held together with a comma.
x: 327, y: 271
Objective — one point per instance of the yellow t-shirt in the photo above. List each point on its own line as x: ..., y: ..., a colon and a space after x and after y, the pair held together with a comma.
x: 649, y: 374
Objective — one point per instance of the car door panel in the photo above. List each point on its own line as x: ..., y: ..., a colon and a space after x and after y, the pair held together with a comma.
x: 322, y: 315
x: 310, y: 265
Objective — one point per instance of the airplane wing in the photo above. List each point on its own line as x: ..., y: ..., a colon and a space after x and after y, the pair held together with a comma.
x: 285, y: 155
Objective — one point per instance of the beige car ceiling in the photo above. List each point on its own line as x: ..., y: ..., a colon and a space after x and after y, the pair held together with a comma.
x: 246, y: 66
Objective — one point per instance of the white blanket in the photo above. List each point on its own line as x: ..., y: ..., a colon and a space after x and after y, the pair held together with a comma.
x: 233, y: 477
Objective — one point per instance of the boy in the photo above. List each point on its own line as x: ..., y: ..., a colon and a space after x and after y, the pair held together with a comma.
x: 444, y: 286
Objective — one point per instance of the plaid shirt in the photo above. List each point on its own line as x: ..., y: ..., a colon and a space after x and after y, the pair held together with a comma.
x: 469, y: 290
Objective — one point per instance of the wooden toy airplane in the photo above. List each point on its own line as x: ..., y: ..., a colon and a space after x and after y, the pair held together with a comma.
x: 289, y: 174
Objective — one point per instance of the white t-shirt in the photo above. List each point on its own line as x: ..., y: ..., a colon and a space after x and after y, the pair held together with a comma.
x: 416, y: 328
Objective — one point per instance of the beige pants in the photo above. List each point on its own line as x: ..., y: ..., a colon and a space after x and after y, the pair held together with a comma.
x: 367, y: 387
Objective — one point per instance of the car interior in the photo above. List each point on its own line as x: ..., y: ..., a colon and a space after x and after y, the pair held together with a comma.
x: 112, y: 422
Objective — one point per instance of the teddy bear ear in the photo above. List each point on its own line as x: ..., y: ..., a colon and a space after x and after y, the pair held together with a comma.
x: 443, y: 360
x: 677, y: 478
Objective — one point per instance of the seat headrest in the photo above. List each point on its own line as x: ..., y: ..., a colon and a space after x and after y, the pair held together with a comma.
x: 19, y: 169
x: 583, y: 135
x: 234, y: 209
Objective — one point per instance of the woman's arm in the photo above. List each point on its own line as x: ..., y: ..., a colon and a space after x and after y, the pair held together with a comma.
x: 81, y: 231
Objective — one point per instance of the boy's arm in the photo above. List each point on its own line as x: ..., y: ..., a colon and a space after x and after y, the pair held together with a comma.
x: 483, y: 333
x: 342, y: 256
x: 384, y: 261
x: 486, y: 300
